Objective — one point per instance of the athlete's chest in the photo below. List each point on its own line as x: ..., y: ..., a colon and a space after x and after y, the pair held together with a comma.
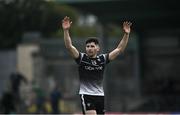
x: 92, y: 64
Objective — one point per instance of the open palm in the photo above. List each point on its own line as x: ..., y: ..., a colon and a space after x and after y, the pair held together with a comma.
x: 127, y: 27
x: 66, y: 23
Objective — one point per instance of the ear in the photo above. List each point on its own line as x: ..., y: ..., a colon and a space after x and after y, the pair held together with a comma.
x: 98, y: 48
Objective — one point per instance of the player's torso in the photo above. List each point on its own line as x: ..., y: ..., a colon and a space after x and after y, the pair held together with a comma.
x: 92, y: 67
x: 91, y: 75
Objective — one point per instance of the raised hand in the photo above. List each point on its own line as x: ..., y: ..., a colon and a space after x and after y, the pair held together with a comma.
x: 66, y: 23
x: 127, y: 27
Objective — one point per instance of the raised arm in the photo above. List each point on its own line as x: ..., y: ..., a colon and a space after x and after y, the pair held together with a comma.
x: 66, y: 24
x: 122, y: 45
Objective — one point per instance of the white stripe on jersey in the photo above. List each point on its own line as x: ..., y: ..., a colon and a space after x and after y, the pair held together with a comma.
x: 104, y: 57
x: 81, y: 56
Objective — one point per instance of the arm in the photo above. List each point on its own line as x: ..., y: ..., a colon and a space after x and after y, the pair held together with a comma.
x: 66, y: 24
x: 123, y: 43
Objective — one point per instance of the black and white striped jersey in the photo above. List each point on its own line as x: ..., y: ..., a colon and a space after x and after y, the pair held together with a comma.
x: 91, y: 73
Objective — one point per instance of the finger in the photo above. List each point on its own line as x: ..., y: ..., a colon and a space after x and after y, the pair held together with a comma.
x: 129, y: 23
x: 63, y: 20
x: 66, y: 18
x: 125, y: 23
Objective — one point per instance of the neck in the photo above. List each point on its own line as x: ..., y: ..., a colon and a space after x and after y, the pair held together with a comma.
x: 94, y: 56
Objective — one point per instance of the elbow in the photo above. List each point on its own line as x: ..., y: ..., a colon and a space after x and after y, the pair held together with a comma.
x: 120, y: 50
x: 68, y: 47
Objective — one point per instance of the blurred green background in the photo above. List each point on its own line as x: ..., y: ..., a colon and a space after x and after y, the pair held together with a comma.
x: 145, y: 78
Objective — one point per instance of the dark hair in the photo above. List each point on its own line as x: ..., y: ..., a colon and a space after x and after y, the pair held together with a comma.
x: 92, y: 39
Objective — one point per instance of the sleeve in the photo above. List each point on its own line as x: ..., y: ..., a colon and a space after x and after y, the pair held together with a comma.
x: 106, y: 58
x: 78, y: 60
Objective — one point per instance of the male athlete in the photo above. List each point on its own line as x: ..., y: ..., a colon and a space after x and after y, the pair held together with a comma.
x: 91, y: 67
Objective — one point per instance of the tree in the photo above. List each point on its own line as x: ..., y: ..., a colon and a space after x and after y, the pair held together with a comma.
x: 19, y: 16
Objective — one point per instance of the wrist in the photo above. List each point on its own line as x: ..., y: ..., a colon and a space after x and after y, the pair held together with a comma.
x: 66, y: 29
x: 126, y: 33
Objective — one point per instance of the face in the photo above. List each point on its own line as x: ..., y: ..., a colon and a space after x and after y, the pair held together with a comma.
x: 92, y: 49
